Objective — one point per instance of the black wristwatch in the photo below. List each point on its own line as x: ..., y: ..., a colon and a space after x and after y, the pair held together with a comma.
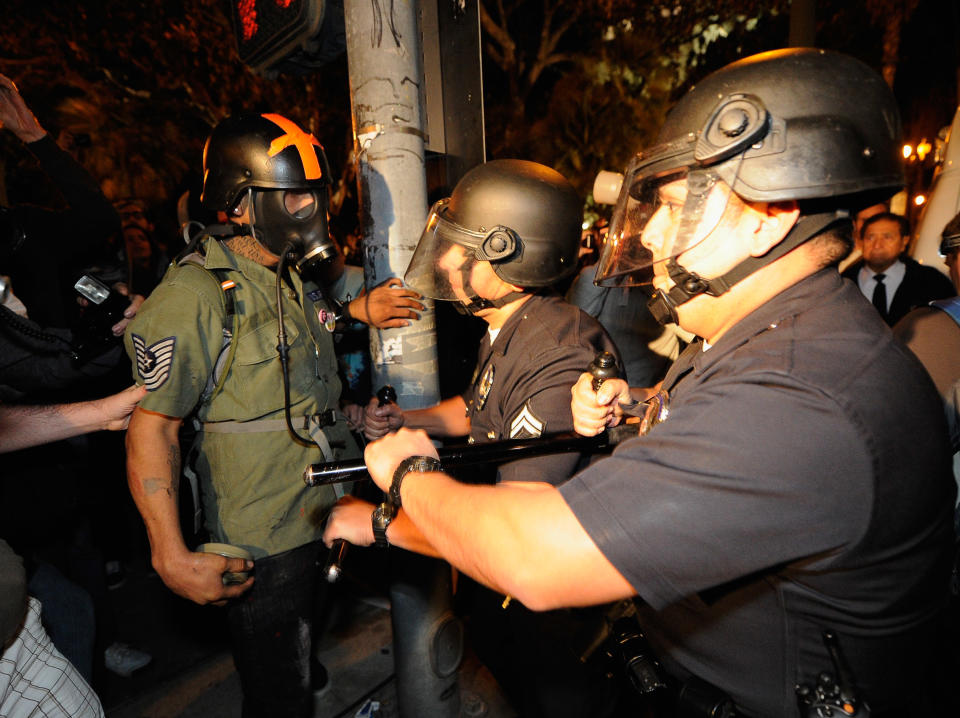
x: 411, y: 463
x: 382, y: 516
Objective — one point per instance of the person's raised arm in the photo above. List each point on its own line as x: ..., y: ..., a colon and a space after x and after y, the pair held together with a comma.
x: 15, y: 115
x: 153, y: 474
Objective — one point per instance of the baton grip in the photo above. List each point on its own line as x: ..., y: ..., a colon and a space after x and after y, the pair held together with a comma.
x: 386, y: 395
x: 603, y: 367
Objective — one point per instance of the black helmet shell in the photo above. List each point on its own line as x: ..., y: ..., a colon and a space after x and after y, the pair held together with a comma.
x: 266, y: 152
x: 537, y: 206
x: 800, y: 123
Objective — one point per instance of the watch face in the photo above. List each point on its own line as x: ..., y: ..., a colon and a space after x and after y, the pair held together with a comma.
x: 383, y: 515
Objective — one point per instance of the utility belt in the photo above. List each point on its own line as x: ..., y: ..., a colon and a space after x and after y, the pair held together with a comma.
x: 313, y: 424
x: 623, y: 643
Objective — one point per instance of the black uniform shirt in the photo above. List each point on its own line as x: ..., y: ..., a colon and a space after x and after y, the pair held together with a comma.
x: 801, y: 481
x: 522, y: 383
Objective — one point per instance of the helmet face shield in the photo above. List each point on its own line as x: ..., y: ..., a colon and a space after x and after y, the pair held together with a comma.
x: 659, y: 216
x: 445, y: 258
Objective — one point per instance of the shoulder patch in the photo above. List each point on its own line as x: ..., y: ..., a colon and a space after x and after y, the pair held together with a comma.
x: 154, y: 361
x: 526, y: 424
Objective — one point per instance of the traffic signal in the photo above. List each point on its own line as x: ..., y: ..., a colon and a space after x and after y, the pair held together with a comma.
x: 283, y: 35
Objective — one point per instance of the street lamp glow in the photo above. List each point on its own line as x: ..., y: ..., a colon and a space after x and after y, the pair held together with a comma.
x: 907, y: 151
x: 919, y: 200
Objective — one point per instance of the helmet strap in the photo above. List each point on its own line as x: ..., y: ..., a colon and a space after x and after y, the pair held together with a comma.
x: 687, y: 284
x: 478, y: 304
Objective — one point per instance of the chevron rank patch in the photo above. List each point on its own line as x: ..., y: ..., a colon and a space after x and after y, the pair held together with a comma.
x: 154, y: 361
x: 526, y: 424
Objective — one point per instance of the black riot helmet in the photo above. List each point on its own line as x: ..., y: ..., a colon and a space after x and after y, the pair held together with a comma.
x: 802, y: 124
x: 271, y: 161
x: 522, y: 217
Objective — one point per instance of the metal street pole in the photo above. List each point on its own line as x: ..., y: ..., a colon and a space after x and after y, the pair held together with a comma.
x: 386, y: 81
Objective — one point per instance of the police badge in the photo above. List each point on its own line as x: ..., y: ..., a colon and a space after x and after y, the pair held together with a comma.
x: 486, y: 384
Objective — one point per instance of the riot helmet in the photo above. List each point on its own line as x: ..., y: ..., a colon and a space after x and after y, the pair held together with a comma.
x: 269, y: 165
x: 522, y: 217
x: 800, y: 124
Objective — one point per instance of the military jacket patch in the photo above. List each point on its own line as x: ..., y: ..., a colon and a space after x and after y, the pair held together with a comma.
x: 154, y: 361
x: 526, y: 424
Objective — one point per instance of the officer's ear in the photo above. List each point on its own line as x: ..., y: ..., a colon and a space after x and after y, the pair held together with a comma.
x: 770, y: 222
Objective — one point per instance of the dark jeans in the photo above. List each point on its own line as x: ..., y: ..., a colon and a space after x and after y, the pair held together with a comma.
x: 271, y: 628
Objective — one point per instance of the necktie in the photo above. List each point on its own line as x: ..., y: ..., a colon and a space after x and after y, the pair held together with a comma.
x: 880, y: 295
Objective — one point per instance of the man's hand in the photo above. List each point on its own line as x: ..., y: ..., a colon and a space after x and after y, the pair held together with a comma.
x: 387, y: 305
x: 378, y: 421
x: 130, y: 312
x: 350, y: 520
x: 384, y: 455
x: 593, y: 411
x: 116, y: 409
x: 353, y: 413
x: 15, y: 115
x: 199, y: 576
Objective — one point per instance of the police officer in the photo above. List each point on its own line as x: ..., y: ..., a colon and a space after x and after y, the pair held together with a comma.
x: 509, y: 231
x: 205, y: 345
x: 794, y: 478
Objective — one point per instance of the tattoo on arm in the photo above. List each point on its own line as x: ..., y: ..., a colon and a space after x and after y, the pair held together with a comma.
x: 169, y: 485
x: 173, y: 459
x: 154, y: 485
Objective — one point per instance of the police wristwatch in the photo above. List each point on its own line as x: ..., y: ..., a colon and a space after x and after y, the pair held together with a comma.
x: 411, y: 463
x: 382, y: 516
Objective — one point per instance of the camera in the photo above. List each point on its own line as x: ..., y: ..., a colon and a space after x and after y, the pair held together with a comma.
x: 93, y: 334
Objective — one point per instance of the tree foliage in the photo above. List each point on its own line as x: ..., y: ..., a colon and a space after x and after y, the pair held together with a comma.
x: 140, y: 83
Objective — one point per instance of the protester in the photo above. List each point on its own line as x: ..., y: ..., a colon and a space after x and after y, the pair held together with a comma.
x: 205, y: 346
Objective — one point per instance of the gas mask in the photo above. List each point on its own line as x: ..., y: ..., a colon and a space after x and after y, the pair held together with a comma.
x: 291, y: 220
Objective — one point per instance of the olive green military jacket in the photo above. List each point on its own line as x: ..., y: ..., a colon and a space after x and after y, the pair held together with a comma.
x: 250, y: 469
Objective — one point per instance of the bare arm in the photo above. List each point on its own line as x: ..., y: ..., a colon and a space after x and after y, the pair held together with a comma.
x: 448, y: 418
x: 389, y: 304
x: 518, y: 538
x: 351, y: 519
x: 24, y: 426
x: 153, y: 473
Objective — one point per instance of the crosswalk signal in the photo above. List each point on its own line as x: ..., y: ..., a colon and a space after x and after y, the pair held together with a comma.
x: 270, y: 31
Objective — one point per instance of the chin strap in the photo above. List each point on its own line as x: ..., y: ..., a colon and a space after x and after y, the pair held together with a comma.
x: 478, y: 304
x: 687, y: 284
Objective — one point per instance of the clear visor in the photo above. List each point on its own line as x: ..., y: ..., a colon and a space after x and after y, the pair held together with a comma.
x: 445, y: 258
x: 658, y: 216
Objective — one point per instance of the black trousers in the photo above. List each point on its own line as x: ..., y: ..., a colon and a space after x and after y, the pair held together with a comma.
x: 271, y: 631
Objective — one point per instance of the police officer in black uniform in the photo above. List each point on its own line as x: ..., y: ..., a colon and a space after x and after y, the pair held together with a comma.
x: 797, y: 482
x: 509, y: 232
